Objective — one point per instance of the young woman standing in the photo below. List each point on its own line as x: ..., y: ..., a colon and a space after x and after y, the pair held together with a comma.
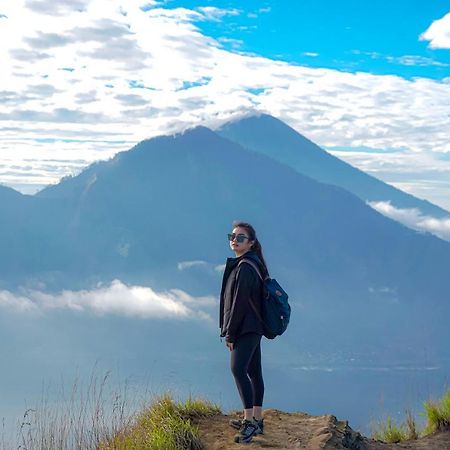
x: 240, y: 324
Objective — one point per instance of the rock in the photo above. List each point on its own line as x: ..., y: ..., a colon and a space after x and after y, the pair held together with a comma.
x: 301, y: 431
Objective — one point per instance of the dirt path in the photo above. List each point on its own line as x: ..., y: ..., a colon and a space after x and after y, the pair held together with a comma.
x: 302, y: 431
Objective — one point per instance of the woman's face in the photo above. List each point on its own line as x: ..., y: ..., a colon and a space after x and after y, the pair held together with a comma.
x: 241, y: 247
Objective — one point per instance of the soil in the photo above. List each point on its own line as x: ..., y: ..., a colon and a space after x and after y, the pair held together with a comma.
x: 302, y: 431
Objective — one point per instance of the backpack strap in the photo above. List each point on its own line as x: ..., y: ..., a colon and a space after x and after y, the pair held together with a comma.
x: 254, y: 265
x: 248, y: 261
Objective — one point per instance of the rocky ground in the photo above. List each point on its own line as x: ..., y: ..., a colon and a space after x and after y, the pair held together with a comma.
x: 302, y: 431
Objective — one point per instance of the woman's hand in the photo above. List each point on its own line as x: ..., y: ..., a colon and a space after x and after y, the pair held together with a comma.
x: 230, y: 345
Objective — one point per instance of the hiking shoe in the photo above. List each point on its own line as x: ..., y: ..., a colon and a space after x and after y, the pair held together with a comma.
x: 260, y: 424
x: 237, y: 423
x: 247, y: 431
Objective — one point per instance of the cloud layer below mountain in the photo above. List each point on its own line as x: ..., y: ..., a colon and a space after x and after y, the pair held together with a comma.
x: 413, y: 218
x: 115, y: 299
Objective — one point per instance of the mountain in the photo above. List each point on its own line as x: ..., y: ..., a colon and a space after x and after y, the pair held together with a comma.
x: 349, y: 270
x: 272, y: 137
x: 369, y: 296
x: 168, y: 197
x: 30, y: 230
x: 8, y: 193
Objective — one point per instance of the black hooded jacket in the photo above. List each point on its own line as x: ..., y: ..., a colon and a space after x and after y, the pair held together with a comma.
x: 237, y: 316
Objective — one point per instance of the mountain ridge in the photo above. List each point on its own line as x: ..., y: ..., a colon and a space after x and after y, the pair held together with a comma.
x: 173, y: 198
x: 271, y: 136
x: 170, y: 166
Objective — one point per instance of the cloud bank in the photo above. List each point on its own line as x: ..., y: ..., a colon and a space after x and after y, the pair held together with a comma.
x: 116, y: 299
x: 413, y: 218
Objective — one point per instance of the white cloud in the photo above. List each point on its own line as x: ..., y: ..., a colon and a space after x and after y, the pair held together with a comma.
x: 438, y: 33
x: 376, y: 161
x: 405, y: 60
x: 413, y: 218
x: 56, y: 8
x: 115, y: 299
x: 16, y: 302
x: 188, y: 264
x: 415, y: 60
x: 217, y: 14
x: 220, y: 268
x: 257, y: 13
x: 234, y: 43
x: 109, y: 73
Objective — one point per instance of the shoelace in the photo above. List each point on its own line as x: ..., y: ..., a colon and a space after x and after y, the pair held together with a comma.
x: 246, y: 424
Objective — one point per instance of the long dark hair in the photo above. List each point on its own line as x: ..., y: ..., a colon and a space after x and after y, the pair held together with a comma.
x: 252, y: 235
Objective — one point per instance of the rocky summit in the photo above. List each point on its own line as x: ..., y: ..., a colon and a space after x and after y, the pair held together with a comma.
x: 303, y: 431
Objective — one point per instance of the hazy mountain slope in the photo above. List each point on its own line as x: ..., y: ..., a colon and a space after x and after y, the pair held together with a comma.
x: 31, y: 234
x: 172, y: 198
x: 274, y: 138
x: 350, y: 271
x: 8, y: 193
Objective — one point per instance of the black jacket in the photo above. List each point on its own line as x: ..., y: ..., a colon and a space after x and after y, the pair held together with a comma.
x: 237, y: 316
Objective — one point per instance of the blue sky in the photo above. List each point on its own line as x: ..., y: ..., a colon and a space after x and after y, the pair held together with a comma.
x: 84, y: 79
x: 346, y: 35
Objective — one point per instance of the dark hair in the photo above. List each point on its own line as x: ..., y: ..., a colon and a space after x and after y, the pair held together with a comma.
x: 252, y: 235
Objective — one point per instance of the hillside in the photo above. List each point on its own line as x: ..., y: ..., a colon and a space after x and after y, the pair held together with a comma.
x: 172, y: 199
x: 267, y: 135
x: 301, y: 431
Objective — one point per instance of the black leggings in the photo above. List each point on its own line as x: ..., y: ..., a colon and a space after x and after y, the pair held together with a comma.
x: 246, y: 368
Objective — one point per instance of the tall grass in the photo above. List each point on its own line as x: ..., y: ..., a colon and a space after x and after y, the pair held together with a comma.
x: 97, y: 416
x: 77, y: 420
x: 437, y: 414
x: 389, y: 432
x: 164, y: 425
x: 411, y: 427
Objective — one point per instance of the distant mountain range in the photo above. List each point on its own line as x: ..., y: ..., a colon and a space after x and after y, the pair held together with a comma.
x: 352, y: 273
x: 272, y: 137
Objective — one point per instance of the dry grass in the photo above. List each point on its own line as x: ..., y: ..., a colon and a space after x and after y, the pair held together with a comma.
x: 78, y: 420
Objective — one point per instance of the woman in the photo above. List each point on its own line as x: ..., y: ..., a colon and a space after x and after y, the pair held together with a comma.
x: 240, y: 324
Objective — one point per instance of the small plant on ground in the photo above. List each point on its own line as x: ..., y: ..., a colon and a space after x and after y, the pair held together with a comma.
x: 438, y: 414
x: 390, y: 432
x: 438, y: 419
x: 411, y: 427
x: 164, y: 425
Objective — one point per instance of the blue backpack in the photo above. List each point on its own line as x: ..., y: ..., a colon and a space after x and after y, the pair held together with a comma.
x: 275, y: 308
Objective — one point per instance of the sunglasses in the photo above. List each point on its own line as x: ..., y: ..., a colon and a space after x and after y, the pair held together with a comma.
x: 238, y: 237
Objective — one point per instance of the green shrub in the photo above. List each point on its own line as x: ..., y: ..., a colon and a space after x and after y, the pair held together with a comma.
x: 164, y: 425
x: 438, y: 419
x: 438, y: 414
x: 390, y: 432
